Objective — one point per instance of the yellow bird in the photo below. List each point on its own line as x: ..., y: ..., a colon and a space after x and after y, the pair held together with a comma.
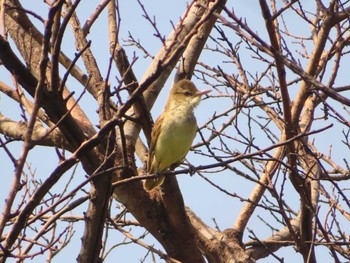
x: 174, y: 130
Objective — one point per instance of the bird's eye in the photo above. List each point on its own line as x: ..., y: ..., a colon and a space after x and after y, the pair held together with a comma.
x: 187, y: 93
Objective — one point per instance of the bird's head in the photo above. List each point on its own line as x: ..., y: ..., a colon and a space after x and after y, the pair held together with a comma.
x: 185, y: 93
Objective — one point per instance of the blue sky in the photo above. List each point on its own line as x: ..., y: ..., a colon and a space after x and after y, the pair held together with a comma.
x: 207, y: 203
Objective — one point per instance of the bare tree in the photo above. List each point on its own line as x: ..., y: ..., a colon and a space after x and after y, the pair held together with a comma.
x: 280, y: 81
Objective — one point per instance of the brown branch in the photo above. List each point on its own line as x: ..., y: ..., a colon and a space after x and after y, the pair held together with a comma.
x: 19, y: 96
x: 311, y: 68
x: 29, y: 131
x: 195, y: 46
x: 139, y: 242
x: 90, y: 21
x: 41, y: 136
x: 258, y: 249
x: 178, y: 240
x: 125, y: 69
x: 97, y: 83
x: 23, y: 33
x: 218, y: 246
x: 52, y: 219
x: 23, y: 23
x: 34, y: 201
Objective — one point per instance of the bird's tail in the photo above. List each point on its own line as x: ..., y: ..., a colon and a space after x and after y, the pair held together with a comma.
x: 150, y: 184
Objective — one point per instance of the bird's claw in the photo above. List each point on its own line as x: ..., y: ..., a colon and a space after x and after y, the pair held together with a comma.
x: 191, y: 169
x: 156, y: 175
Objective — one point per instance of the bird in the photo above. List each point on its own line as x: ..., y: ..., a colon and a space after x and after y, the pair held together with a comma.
x: 173, y: 131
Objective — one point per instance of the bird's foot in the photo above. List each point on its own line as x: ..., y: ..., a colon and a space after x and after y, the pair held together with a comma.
x: 156, y: 175
x: 191, y: 169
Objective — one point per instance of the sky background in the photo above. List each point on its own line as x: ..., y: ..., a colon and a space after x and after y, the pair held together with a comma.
x: 209, y: 205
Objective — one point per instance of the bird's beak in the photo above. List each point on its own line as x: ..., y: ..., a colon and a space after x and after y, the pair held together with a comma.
x: 202, y: 92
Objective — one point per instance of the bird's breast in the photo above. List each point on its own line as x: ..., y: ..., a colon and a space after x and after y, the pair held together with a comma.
x: 175, y: 139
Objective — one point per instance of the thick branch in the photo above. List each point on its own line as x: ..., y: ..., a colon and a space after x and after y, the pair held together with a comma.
x: 41, y: 136
x: 29, y: 41
x: 164, y: 215
x: 218, y: 246
x: 195, y: 46
x: 262, y: 248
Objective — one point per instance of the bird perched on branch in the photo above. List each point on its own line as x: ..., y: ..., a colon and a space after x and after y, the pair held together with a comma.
x: 174, y: 131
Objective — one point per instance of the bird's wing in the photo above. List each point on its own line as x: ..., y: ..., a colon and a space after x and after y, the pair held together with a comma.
x: 154, y: 137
